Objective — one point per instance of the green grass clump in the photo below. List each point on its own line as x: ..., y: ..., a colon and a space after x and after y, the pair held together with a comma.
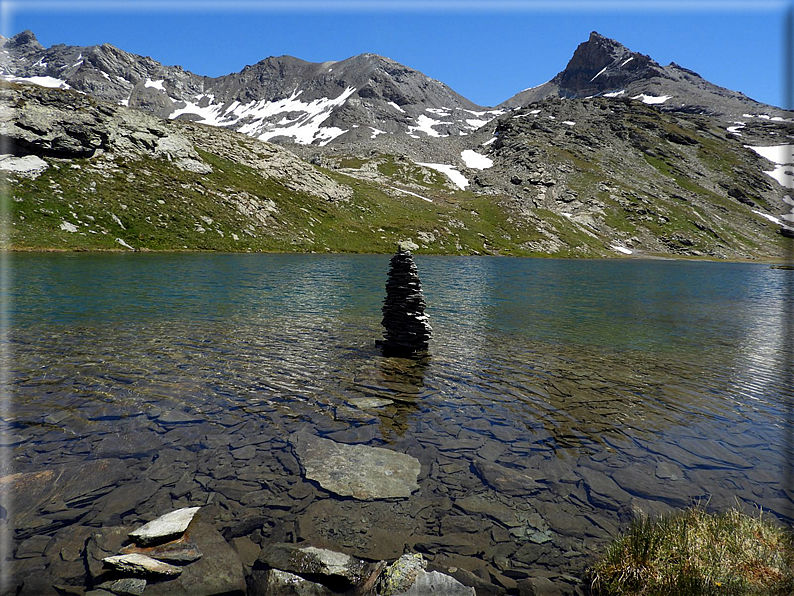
x: 695, y: 553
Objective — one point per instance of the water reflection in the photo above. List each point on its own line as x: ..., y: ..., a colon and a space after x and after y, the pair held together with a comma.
x: 404, y: 378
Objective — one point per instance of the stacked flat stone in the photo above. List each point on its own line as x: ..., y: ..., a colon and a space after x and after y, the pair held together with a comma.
x: 407, y: 326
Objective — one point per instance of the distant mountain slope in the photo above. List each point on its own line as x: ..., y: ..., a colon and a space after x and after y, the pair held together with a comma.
x: 585, y: 178
x: 603, y: 67
x: 279, y: 97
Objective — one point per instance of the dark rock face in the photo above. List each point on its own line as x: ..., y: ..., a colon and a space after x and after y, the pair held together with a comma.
x: 601, y: 66
x: 407, y: 326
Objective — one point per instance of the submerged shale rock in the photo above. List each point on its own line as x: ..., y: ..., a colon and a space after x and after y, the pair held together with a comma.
x: 356, y: 471
x: 407, y: 326
x: 331, y: 568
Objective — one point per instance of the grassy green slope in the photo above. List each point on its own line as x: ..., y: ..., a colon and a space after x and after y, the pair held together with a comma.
x: 150, y: 204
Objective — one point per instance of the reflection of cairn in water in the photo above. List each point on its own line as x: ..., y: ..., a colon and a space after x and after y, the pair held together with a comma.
x: 407, y: 326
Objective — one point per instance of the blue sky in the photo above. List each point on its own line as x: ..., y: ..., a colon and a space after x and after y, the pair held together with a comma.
x: 486, y: 51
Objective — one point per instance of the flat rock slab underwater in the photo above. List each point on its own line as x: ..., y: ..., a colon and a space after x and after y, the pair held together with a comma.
x: 356, y: 471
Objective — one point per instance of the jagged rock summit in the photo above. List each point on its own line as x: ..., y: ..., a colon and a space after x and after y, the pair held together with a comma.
x: 602, y: 66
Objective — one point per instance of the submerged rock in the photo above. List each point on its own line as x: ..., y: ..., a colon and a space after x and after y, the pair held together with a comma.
x: 356, y: 471
x: 127, y: 586
x: 434, y: 583
x: 219, y: 572
x: 332, y: 568
x: 166, y: 527
x: 284, y: 583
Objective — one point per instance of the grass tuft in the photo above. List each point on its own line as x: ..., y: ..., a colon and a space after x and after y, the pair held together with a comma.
x: 695, y: 553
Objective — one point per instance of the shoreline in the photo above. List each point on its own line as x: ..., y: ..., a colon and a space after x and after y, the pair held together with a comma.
x: 634, y: 257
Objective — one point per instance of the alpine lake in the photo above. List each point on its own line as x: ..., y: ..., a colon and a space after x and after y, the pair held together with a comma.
x: 559, y: 399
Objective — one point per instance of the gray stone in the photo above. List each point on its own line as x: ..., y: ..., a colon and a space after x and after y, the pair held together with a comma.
x: 370, y: 402
x: 103, y: 543
x: 539, y: 586
x: 75, y: 486
x: 376, y: 530
x: 668, y: 471
x: 284, y: 583
x: 602, y: 490
x: 407, y: 245
x: 166, y: 527
x: 407, y: 328
x: 219, y: 572
x: 506, y: 480
x: 126, y: 586
x: 335, y: 567
x: 402, y: 574
x: 137, y: 564
x: 246, y: 549
x: 28, y: 166
x: 642, y: 484
x: 356, y: 471
x: 32, y: 547
x: 714, y: 452
x: 180, y: 417
x: 436, y: 583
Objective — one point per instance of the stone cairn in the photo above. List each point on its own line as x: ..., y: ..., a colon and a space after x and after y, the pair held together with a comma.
x: 407, y: 326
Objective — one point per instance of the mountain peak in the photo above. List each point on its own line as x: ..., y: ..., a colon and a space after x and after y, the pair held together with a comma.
x: 602, y: 64
x: 23, y: 39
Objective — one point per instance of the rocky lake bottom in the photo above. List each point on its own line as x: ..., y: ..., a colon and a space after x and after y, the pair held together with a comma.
x: 558, y: 401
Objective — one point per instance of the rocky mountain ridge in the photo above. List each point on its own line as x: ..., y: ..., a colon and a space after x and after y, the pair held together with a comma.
x: 366, y: 99
x: 278, y: 98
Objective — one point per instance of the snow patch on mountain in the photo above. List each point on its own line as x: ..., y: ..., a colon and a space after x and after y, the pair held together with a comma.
x: 620, y: 249
x: 600, y: 72
x: 652, y: 99
x: 413, y: 194
x: 450, y: 172
x: 476, y: 123
x: 425, y: 124
x: 783, y: 157
x: 298, y: 120
x: 50, y: 82
x: 155, y: 84
x: 779, y: 154
x: 771, y: 218
x: 475, y: 160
